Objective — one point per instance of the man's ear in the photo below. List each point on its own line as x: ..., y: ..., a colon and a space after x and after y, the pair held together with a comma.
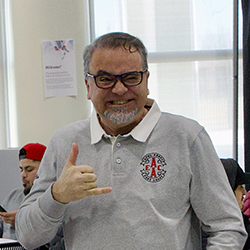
x: 88, y: 89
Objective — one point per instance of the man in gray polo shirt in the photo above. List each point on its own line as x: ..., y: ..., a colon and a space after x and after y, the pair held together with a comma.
x: 158, y: 174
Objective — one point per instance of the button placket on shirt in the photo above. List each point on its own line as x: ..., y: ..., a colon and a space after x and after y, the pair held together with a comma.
x: 118, y: 167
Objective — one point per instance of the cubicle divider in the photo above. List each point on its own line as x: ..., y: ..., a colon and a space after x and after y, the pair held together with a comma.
x: 10, y: 176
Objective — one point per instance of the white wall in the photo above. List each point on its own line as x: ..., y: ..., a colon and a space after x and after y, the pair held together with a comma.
x: 35, y: 21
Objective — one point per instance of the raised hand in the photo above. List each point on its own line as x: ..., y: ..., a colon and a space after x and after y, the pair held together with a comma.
x: 76, y: 182
x: 9, y: 217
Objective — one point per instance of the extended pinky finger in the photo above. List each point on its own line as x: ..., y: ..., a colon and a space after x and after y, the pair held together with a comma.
x: 97, y: 191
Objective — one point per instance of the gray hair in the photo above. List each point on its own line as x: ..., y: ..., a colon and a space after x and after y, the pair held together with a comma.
x: 115, y: 40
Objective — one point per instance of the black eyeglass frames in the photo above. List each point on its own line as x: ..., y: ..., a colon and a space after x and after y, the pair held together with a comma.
x: 105, y: 81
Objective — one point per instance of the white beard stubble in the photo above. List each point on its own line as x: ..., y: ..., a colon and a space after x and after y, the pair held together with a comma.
x: 120, y: 116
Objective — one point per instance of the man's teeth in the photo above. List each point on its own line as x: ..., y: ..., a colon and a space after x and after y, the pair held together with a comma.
x: 119, y: 102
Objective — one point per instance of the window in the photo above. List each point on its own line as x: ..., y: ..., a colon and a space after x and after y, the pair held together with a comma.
x: 190, y: 45
x: 7, y: 91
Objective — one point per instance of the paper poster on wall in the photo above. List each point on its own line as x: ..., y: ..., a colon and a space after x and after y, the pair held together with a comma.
x: 59, y: 68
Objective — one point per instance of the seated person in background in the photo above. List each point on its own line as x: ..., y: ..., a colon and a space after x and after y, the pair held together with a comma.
x: 236, y: 178
x: 30, y: 157
x: 246, y: 205
x: 246, y: 213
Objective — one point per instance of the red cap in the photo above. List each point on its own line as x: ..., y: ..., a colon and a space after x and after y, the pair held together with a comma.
x: 33, y: 151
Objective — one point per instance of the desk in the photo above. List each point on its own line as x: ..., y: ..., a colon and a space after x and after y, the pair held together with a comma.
x: 7, y: 244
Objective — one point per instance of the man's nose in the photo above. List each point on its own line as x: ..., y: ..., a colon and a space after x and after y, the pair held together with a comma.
x: 24, y: 174
x: 119, y: 88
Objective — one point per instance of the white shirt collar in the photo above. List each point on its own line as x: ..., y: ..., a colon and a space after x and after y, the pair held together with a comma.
x: 139, y: 133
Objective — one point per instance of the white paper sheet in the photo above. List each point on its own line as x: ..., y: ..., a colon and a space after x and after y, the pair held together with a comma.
x: 2, y: 240
x: 59, y: 68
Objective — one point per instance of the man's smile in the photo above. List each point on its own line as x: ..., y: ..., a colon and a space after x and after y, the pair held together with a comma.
x: 119, y: 102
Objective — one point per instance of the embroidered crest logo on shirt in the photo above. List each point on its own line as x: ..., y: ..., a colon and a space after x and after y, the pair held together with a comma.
x: 153, y: 170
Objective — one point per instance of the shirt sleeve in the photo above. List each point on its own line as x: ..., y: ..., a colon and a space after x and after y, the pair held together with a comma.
x: 212, y: 198
x: 1, y: 223
x: 1, y: 228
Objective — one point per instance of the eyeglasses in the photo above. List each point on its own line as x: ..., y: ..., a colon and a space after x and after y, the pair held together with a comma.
x: 105, y: 81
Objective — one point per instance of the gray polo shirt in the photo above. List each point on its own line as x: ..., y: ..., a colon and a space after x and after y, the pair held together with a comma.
x: 165, y: 178
x: 12, y: 202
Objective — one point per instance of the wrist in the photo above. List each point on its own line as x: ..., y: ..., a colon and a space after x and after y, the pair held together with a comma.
x: 56, y: 195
